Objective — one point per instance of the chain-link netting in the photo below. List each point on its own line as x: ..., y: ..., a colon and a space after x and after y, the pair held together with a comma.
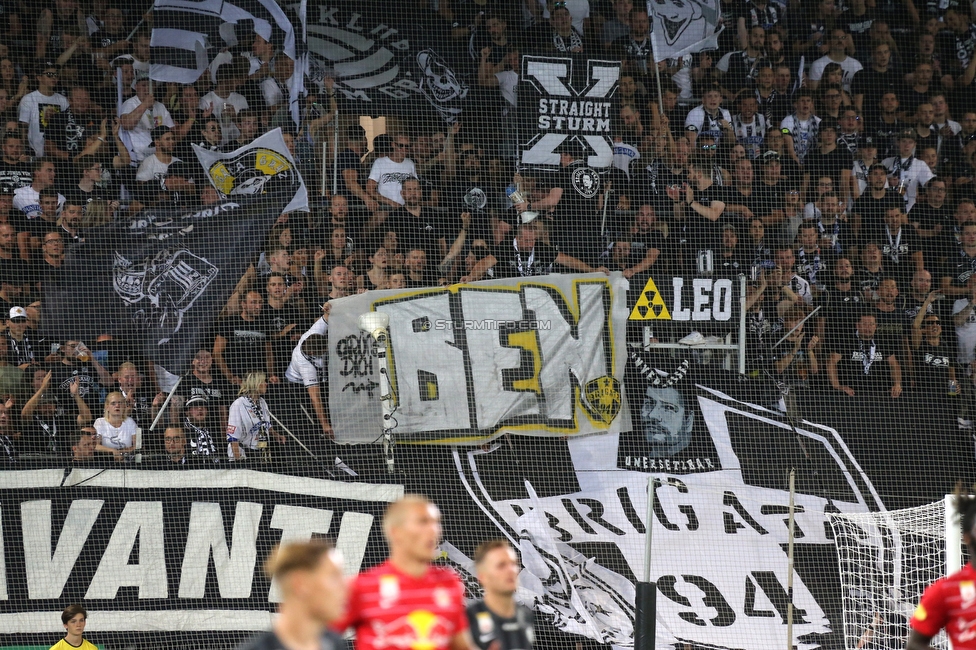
x: 266, y: 267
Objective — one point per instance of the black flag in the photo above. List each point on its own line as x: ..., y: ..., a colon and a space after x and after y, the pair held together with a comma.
x: 159, y: 280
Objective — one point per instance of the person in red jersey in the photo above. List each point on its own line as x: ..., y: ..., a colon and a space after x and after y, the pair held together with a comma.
x: 950, y: 602
x: 405, y: 603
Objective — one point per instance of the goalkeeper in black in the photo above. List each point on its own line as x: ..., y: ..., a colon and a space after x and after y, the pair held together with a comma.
x: 497, y: 621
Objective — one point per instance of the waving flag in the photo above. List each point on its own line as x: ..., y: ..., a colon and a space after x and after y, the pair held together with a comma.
x: 680, y: 27
x: 160, y: 279
x: 187, y: 34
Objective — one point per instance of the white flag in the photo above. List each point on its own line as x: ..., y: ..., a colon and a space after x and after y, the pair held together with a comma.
x: 680, y: 27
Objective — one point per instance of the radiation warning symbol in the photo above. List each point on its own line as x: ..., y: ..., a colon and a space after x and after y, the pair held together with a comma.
x: 650, y: 305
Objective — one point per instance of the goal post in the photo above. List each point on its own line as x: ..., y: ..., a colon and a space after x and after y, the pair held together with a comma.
x: 886, y: 560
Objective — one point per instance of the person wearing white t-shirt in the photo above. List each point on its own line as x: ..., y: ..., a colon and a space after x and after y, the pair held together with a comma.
x: 964, y: 318
x: 388, y: 173
x: 226, y: 101
x: 837, y: 53
x: 38, y: 109
x: 116, y: 430
x: 906, y: 172
x: 27, y: 199
x: 141, y: 113
x: 308, y: 367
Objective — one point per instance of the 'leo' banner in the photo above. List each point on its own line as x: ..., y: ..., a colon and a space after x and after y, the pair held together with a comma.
x: 470, y: 361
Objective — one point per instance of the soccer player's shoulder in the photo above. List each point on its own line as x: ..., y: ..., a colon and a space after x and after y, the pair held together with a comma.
x: 264, y: 641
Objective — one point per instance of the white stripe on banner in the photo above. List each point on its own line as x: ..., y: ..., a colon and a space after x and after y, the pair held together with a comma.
x: 199, y: 478
x: 183, y: 39
x: 181, y: 620
x: 199, y: 6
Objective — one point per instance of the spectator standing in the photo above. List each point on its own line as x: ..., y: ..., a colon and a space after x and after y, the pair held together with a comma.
x: 197, y: 425
x: 856, y: 360
x: 905, y: 171
x: 386, y: 177
x: 244, y: 344
x: 141, y: 113
x: 39, y: 108
x: 249, y: 421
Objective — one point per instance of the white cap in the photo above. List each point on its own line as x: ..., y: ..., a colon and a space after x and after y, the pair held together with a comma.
x: 17, y: 312
x: 528, y: 216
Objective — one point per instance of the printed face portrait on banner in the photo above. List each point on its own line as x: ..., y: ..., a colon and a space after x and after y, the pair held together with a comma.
x: 667, y: 420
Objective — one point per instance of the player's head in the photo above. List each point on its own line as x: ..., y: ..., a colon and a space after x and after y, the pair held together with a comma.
x: 965, y: 504
x: 73, y: 618
x: 412, y: 527
x: 310, y: 576
x: 497, y: 567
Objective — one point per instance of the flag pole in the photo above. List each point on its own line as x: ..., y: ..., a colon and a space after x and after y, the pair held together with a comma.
x: 657, y: 71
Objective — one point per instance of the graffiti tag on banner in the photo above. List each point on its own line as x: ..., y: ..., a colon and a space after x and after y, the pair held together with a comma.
x: 469, y: 362
x: 245, y: 171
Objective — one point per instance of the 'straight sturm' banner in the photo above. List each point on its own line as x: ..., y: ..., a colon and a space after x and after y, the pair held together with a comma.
x: 544, y: 357
x: 566, y: 98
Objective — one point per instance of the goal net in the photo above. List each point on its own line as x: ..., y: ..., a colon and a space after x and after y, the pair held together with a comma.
x: 886, y: 561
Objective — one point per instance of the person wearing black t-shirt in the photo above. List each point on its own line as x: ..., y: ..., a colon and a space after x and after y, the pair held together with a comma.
x: 960, y: 264
x: 934, y: 373
x: 858, y: 358
x: 218, y: 392
x: 526, y: 255
x: 244, y: 343
x: 841, y: 302
x: 829, y: 159
x: 281, y: 318
x: 702, y: 205
x: 930, y: 216
x: 497, y: 621
x: 314, y: 591
x: 14, y: 171
x: 869, y: 210
x: 77, y: 361
x: 871, y: 83
x: 352, y: 173
x: 900, y: 247
x: 414, y: 225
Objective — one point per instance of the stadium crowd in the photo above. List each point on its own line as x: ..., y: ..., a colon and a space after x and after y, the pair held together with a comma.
x: 828, y: 157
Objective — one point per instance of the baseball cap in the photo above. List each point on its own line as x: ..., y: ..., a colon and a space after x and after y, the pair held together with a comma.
x: 196, y: 400
x: 6, y: 189
x: 122, y: 59
x: 18, y: 314
x: 868, y: 142
x: 528, y: 216
x: 907, y: 134
x: 141, y: 75
x: 770, y: 156
x: 158, y: 132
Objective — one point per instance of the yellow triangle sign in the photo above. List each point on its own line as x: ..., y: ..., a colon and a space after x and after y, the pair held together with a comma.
x: 650, y: 305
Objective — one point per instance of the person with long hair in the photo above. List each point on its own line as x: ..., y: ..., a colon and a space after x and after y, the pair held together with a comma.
x: 116, y: 430
x: 249, y: 420
x: 16, y: 87
x: 314, y: 592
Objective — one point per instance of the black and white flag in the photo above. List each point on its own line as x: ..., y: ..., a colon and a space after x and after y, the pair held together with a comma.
x: 244, y: 171
x: 187, y: 34
x: 159, y: 280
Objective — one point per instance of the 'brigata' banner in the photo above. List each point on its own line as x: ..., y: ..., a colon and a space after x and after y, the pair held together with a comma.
x: 470, y: 361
